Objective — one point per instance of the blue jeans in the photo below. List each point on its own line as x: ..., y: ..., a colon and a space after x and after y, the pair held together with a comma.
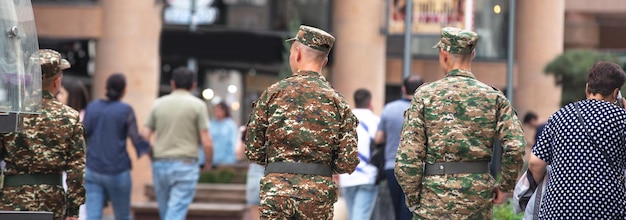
x: 175, y: 184
x: 102, y: 187
x: 253, y: 184
x: 397, y: 197
x: 360, y: 200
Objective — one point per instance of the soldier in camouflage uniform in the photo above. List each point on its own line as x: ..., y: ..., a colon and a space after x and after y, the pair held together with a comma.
x: 50, y: 143
x: 447, y: 138
x: 303, y: 131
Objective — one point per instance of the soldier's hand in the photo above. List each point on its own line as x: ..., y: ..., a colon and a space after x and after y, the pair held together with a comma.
x: 498, y: 196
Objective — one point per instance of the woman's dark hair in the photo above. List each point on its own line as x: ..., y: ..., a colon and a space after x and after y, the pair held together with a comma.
x: 77, y: 94
x: 605, y: 77
x: 224, y: 108
x: 116, y: 84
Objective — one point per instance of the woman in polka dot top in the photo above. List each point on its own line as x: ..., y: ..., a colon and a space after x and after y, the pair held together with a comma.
x: 584, y: 183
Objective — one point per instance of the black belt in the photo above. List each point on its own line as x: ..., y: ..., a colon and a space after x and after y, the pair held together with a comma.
x: 456, y: 167
x: 32, y: 179
x: 299, y: 168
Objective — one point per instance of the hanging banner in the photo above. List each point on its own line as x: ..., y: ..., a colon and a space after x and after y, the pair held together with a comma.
x: 429, y: 16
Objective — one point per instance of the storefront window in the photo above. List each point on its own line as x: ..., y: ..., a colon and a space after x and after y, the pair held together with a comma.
x: 491, y: 22
x: 489, y: 19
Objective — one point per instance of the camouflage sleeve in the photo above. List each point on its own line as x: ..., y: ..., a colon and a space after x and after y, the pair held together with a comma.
x: 345, y: 158
x: 411, y: 153
x: 255, y: 132
x: 75, y: 171
x: 511, y: 135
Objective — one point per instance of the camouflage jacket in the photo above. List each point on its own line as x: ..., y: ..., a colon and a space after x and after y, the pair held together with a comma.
x: 51, y: 142
x: 302, y: 119
x: 456, y: 119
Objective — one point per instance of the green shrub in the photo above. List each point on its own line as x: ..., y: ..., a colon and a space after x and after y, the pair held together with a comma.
x: 570, y: 70
x: 217, y: 176
x: 505, y: 212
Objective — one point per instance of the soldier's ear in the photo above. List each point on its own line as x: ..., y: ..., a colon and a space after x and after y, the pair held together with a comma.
x: 325, y: 62
x: 298, y: 54
x: 58, y: 80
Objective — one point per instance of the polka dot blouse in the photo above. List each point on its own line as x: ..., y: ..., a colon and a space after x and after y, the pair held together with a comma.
x: 583, y: 184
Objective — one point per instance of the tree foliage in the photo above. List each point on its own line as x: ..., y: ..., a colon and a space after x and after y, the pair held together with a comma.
x: 570, y: 70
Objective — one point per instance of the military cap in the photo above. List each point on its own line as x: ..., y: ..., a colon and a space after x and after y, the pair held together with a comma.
x: 314, y: 38
x: 457, y: 40
x: 51, y: 63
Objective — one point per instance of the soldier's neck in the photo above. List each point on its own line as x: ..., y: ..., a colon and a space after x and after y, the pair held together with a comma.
x: 463, y: 66
x: 310, y: 67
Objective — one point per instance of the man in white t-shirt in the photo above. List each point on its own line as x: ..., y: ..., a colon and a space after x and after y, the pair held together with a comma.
x: 359, y: 188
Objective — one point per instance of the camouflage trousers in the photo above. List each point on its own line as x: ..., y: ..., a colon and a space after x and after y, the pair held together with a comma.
x: 34, y: 198
x: 280, y: 207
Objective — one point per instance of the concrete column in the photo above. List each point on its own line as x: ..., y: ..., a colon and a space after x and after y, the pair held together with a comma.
x: 539, y: 39
x: 129, y: 44
x: 359, y: 51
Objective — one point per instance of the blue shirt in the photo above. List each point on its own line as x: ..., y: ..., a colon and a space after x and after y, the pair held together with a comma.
x: 224, y: 135
x: 391, y: 121
x: 107, y: 125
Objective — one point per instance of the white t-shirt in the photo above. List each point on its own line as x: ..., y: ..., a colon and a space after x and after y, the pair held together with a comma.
x: 364, y: 173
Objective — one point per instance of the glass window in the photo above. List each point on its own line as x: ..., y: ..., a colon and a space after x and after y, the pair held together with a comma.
x: 489, y: 20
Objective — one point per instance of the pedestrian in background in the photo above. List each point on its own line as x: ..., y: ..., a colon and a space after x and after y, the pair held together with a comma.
x: 74, y: 93
x: 303, y: 131
x: 224, y: 135
x: 388, y: 132
x: 51, y: 142
x: 253, y: 182
x: 108, y: 123
x: 359, y: 189
x: 584, y: 142
x: 448, y: 136
x: 179, y: 123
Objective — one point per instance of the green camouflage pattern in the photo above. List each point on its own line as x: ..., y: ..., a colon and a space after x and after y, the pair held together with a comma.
x: 314, y: 38
x: 51, y: 142
x: 51, y: 63
x: 302, y: 119
x: 281, y: 207
x: 457, y: 41
x: 456, y: 119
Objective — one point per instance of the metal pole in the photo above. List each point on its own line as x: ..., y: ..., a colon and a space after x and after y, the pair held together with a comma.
x: 192, y: 64
x: 408, y: 18
x: 511, y: 51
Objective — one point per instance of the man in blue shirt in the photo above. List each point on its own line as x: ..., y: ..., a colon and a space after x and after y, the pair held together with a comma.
x: 389, y: 129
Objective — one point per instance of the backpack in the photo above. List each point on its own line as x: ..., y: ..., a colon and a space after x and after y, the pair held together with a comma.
x: 377, y: 155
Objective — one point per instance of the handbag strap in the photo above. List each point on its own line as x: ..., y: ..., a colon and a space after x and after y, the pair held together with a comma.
x: 582, y: 122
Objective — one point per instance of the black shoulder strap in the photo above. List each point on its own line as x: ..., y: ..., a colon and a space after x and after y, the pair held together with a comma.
x: 582, y: 122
